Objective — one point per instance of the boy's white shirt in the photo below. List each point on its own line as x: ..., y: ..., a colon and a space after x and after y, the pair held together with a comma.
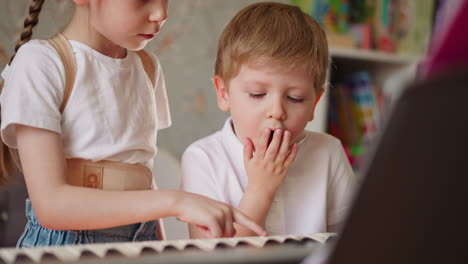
x: 113, y: 112
x: 315, y: 193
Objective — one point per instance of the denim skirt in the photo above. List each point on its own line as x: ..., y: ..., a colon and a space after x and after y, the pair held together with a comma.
x: 35, y: 235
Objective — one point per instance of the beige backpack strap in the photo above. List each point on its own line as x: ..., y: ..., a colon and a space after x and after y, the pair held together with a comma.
x: 148, y: 65
x: 65, y: 51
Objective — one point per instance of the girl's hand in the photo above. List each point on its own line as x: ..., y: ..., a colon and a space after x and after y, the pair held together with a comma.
x: 268, y: 167
x: 212, y: 218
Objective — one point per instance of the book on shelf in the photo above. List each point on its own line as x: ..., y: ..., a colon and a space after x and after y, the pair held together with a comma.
x: 414, y: 26
x: 355, y: 113
x: 393, y: 26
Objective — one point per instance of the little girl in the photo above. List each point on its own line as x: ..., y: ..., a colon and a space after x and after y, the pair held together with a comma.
x: 86, y: 163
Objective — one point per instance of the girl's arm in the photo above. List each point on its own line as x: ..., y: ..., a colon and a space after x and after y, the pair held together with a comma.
x: 255, y: 203
x: 64, y: 207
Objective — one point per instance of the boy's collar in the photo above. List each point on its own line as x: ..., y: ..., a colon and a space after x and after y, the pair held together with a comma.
x: 228, y: 129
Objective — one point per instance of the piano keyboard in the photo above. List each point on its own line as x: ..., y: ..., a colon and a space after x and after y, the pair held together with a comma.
x: 134, y: 251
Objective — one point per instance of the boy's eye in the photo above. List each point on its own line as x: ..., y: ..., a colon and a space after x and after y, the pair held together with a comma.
x: 254, y: 95
x: 295, y: 100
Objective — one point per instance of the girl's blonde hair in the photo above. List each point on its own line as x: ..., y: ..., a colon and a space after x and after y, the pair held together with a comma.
x: 273, y: 32
x: 9, y: 160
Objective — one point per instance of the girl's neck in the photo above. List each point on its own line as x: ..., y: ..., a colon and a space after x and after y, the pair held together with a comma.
x: 80, y: 29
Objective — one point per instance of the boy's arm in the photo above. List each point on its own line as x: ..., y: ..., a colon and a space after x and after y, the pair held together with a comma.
x: 266, y: 171
x: 256, y: 204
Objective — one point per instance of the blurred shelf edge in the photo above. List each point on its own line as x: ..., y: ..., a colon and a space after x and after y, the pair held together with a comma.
x: 371, y: 55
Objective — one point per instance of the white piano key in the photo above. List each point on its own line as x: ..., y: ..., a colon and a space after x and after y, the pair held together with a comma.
x: 129, y: 249
x: 255, y: 241
x: 8, y: 255
x: 67, y: 253
x: 320, y: 237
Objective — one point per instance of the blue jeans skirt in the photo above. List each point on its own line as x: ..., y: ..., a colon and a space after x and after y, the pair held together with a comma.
x: 35, y: 235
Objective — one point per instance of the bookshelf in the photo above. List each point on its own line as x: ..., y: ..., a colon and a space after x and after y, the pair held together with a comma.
x: 344, y: 61
x: 370, y: 41
x: 372, y: 56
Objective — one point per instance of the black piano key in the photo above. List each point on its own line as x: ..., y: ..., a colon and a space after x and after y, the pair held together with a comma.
x: 169, y: 248
x: 291, y: 241
x: 243, y: 243
x: 307, y: 240
x: 146, y: 251
x: 221, y: 245
x: 270, y: 242
x: 47, y: 257
x: 23, y: 258
x: 331, y: 239
x: 191, y: 247
x: 88, y: 254
x: 114, y: 253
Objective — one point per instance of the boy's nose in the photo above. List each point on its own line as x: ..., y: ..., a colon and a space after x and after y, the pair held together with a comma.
x: 159, y: 11
x: 277, y: 111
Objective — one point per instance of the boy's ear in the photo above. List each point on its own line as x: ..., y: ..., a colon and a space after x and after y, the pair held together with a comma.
x: 81, y: 2
x: 221, y: 93
x: 317, y: 99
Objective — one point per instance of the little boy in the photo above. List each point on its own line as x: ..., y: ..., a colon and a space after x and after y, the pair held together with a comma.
x: 270, y: 72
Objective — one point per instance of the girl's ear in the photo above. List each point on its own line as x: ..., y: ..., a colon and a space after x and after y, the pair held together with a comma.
x: 317, y: 99
x: 221, y: 93
x: 81, y: 2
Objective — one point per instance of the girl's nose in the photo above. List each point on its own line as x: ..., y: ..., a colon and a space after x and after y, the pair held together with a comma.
x: 159, y: 11
x: 277, y: 111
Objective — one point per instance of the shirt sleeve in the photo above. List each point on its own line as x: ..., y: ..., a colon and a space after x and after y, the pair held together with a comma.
x: 341, y: 186
x: 198, y: 174
x: 162, y: 102
x: 33, y: 91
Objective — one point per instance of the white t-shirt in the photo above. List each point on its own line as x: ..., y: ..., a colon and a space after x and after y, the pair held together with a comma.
x: 314, y: 194
x: 113, y: 112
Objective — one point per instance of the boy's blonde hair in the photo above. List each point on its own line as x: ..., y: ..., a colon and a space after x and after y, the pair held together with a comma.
x: 273, y: 32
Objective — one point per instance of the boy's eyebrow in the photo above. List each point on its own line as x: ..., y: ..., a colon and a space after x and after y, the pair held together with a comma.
x: 292, y: 86
x: 255, y: 85
x: 256, y: 82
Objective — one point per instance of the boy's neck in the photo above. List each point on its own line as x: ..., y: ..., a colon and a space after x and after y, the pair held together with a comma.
x: 80, y: 29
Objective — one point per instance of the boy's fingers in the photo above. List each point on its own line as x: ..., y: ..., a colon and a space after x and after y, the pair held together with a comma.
x: 248, y: 150
x: 284, y: 149
x: 229, y: 225
x: 215, y: 229
x: 274, y: 146
x: 205, y: 231
x: 243, y: 220
x: 263, y: 143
